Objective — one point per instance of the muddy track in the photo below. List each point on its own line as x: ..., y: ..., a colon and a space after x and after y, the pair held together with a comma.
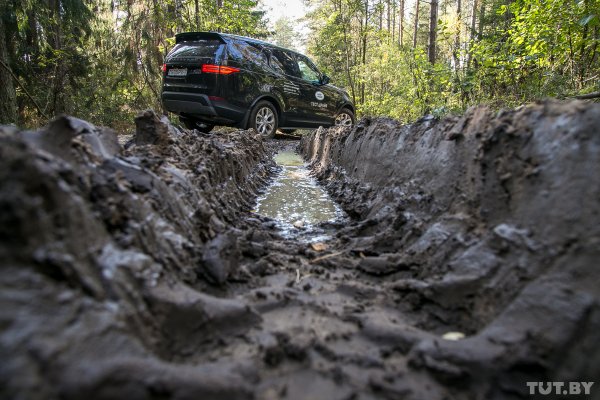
x: 141, y: 273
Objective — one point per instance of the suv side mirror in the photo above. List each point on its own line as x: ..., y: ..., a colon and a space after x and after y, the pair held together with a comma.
x: 324, y: 80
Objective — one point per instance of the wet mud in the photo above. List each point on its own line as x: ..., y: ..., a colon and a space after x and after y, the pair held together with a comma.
x: 294, y: 199
x: 467, y: 267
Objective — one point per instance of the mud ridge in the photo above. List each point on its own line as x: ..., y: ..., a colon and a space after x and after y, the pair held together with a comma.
x: 486, y: 224
x: 107, y: 255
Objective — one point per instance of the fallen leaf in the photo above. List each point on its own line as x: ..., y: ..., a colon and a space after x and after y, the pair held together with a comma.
x: 453, y: 336
x: 318, y: 246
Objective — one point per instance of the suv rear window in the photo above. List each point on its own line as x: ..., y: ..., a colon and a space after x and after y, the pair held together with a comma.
x: 240, y: 50
x: 205, y: 48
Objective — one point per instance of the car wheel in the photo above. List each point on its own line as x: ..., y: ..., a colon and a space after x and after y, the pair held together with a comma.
x: 192, y: 124
x: 288, y: 131
x: 344, y: 118
x: 263, y: 119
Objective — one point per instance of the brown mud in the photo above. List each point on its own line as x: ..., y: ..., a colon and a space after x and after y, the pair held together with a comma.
x: 141, y: 273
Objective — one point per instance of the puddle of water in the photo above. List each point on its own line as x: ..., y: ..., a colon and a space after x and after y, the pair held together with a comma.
x: 294, y: 197
x: 288, y: 159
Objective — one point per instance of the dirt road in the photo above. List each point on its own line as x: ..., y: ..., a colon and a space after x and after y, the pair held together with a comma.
x: 469, y: 266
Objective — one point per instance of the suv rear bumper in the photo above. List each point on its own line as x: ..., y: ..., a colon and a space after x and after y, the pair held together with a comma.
x: 201, y: 107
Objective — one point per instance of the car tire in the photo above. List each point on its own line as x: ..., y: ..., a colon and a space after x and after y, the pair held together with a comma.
x: 192, y: 124
x: 264, y: 119
x: 288, y: 131
x: 345, y: 118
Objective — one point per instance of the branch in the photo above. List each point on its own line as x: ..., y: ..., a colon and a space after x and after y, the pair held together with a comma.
x: 593, y: 95
x: 326, y: 256
x: 16, y: 79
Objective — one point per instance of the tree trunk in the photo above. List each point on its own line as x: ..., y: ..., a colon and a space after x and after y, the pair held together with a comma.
x: 472, y: 33
x: 416, y: 24
x: 389, y: 19
x: 31, y: 33
x: 456, y: 52
x: 481, y: 18
x: 433, y: 30
x: 394, y: 21
x: 347, y: 48
x: 197, y: 14
x: 401, y: 26
x: 364, y: 48
x: 381, y: 6
x: 594, y: 95
x: 58, y: 98
x: 8, y: 97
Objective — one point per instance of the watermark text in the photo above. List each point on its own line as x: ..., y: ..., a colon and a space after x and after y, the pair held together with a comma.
x: 564, y: 388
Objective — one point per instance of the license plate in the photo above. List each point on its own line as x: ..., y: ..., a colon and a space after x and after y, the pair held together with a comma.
x: 178, y: 72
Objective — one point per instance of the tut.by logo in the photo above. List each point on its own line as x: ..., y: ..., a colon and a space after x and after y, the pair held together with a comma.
x: 564, y: 388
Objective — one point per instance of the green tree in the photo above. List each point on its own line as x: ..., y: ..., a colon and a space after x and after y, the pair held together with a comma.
x: 8, y: 96
x: 479, y: 51
x: 284, y: 34
x: 100, y: 59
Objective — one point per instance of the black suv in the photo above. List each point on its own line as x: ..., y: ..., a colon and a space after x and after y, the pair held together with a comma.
x: 213, y: 79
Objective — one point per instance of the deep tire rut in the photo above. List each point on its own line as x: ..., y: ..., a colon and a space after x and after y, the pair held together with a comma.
x: 469, y: 266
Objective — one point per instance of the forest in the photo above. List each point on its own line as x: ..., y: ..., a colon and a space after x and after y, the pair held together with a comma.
x: 100, y: 59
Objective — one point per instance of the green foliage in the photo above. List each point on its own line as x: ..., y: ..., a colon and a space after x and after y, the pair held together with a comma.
x: 549, y: 49
x: 496, y: 52
x: 100, y: 59
x: 284, y: 34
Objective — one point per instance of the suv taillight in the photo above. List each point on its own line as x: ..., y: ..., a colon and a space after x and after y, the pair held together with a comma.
x: 216, y: 69
x: 164, y: 68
